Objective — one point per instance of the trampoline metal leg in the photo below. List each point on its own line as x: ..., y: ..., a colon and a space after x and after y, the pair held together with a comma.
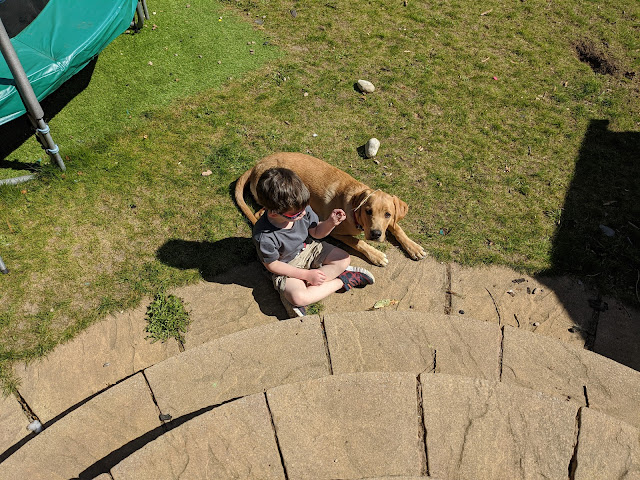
x: 3, y: 267
x: 144, y: 7
x: 140, y: 16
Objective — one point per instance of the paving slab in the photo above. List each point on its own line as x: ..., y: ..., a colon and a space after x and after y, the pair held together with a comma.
x: 240, y: 364
x: 235, y: 440
x: 13, y: 423
x: 414, y: 285
x: 85, y: 436
x: 412, y: 341
x: 236, y: 300
x: 606, y: 444
x: 618, y: 333
x: 101, y: 355
x: 349, y: 426
x: 555, y: 307
x: 481, y: 429
x: 543, y: 364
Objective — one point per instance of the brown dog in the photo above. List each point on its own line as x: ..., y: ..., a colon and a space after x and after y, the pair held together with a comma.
x: 371, y: 211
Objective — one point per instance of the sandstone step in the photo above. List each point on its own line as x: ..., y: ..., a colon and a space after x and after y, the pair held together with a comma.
x: 84, y: 438
x: 243, y: 298
x: 392, y: 425
x: 259, y: 359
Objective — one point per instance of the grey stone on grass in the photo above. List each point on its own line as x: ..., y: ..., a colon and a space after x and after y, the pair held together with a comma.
x: 365, y: 86
x: 371, y: 147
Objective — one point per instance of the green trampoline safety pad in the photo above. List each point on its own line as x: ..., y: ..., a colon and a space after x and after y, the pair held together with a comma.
x: 60, y: 42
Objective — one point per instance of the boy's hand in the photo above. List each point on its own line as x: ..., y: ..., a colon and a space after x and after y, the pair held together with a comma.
x: 338, y: 216
x: 315, y: 277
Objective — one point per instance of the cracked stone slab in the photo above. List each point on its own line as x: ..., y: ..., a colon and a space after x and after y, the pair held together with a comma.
x: 414, y: 285
x: 349, y: 426
x: 236, y: 300
x: 618, y: 333
x: 100, y: 356
x: 235, y: 440
x: 410, y: 341
x: 86, y: 435
x: 481, y: 429
x: 240, y: 364
x: 555, y: 307
x: 543, y: 364
x: 13, y: 423
x: 606, y: 444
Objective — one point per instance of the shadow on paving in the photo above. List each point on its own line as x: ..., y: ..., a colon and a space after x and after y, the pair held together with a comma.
x: 227, y: 261
x: 598, y: 236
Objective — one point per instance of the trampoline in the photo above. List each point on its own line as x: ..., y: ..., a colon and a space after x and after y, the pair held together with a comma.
x: 44, y: 43
x: 50, y: 41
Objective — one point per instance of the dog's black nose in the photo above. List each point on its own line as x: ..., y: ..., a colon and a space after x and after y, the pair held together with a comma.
x: 375, y: 234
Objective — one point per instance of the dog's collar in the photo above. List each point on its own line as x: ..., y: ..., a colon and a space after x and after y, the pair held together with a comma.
x: 355, y: 221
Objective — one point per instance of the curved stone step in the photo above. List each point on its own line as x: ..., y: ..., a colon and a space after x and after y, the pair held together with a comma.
x: 262, y: 358
x: 392, y: 425
x: 242, y: 298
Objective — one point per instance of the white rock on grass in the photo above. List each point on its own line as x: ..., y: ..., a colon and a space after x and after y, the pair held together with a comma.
x: 371, y: 147
x: 366, y: 86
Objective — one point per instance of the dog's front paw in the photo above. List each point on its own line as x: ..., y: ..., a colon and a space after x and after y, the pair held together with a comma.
x: 378, y: 258
x: 415, y: 251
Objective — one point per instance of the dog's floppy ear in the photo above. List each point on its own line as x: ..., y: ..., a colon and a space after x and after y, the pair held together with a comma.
x: 401, y: 209
x: 357, y: 206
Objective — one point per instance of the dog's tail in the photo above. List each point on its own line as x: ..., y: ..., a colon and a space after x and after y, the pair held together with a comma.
x: 240, y: 184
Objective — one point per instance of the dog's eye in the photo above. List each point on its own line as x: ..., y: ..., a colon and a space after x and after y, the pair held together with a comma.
x: 387, y: 215
x: 369, y: 211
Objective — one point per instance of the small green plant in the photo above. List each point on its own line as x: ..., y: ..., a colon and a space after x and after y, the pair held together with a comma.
x: 315, y: 308
x: 167, y: 317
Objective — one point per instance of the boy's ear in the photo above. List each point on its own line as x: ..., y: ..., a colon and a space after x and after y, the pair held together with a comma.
x: 401, y: 209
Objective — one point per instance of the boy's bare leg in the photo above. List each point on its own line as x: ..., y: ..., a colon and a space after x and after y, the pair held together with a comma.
x: 336, y: 262
x: 298, y: 293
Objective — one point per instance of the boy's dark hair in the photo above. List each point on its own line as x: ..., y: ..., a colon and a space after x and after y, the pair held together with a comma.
x: 281, y: 190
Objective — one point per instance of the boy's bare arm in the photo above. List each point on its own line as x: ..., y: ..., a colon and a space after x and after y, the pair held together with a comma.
x: 312, y: 277
x: 325, y: 227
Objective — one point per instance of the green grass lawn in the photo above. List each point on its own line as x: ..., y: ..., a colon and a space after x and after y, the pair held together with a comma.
x: 487, y: 114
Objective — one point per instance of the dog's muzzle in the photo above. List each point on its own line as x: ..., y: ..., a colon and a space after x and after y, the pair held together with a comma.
x: 375, y: 234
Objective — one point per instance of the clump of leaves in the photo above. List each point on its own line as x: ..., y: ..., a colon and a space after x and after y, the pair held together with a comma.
x: 167, y: 317
x: 315, y: 308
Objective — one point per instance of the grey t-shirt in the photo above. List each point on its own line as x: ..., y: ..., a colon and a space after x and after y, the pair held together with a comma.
x: 273, y: 243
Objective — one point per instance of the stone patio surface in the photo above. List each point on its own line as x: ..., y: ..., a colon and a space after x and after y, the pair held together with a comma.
x: 442, y: 322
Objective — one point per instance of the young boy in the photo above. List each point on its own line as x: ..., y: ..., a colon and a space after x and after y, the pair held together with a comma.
x: 304, y: 270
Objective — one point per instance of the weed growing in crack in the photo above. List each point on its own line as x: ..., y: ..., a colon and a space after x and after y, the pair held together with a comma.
x: 167, y: 318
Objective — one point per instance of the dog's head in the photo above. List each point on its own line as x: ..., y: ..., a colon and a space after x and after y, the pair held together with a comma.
x: 374, y: 211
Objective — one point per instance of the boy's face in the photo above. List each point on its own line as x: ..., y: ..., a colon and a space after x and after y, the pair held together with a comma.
x: 292, y: 216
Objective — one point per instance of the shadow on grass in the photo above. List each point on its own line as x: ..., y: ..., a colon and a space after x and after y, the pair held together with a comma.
x: 227, y: 261
x: 16, y: 132
x: 598, y: 237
